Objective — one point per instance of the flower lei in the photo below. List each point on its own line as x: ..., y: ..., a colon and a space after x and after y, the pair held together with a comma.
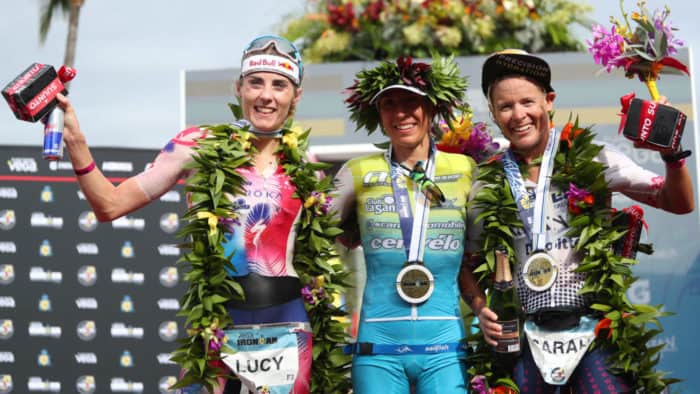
x: 463, y: 135
x: 210, y: 287
x: 441, y: 83
x: 625, y: 328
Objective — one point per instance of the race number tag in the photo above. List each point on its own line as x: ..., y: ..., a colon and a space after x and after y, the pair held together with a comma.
x: 266, y: 358
x: 557, y: 353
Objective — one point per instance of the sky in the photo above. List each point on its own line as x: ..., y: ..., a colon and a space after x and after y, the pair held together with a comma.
x: 131, y: 53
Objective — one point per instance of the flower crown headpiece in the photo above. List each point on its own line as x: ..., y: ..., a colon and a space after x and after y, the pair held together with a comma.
x: 440, y: 83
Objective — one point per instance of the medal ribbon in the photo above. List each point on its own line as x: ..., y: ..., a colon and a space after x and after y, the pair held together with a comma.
x: 534, y: 222
x: 412, y: 231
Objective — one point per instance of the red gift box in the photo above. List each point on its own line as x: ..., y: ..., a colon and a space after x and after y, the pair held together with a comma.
x: 32, y: 94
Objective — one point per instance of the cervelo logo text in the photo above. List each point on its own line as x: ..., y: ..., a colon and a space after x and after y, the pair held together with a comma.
x: 7, y: 357
x: 121, y: 330
x: 442, y: 242
x: 22, y: 164
x: 8, y: 247
x: 40, y: 219
x: 121, y: 385
x: 117, y: 166
x: 36, y: 383
x: 126, y: 222
x: 120, y: 275
x: 39, y: 329
x: 8, y: 193
x: 168, y: 304
x: 87, y: 248
x: 7, y: 302
x: 164, y: 358
x: 60, y: 165
x: 86, y: 303
x: 86, y: 358
x: 39, y: 274
x: 168, y: 250
x: 171, y: 196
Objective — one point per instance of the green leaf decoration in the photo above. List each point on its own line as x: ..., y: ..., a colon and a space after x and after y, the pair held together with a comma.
x: 215, y: 179
x: 608, y: 276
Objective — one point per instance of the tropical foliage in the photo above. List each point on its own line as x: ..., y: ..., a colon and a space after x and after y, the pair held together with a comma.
x: 72, y: 8
x: 343, y: 30
x: 642, y: 47
x: 625, y: 329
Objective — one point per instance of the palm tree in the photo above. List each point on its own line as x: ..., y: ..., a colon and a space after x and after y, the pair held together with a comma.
x: 72, y: 7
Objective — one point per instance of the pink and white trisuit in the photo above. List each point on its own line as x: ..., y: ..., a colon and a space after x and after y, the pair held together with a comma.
x: 264, y: 234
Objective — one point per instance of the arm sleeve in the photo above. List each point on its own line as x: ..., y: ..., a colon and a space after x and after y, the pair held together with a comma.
x: 627, y: 177
x: 168, y: 167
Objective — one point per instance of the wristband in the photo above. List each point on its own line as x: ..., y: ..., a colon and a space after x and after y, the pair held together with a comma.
x: 676, y: 164
x: 676, y: 156
x: 85, y: 170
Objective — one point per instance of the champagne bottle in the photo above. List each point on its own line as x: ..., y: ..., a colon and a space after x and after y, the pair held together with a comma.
x: 504, y: 302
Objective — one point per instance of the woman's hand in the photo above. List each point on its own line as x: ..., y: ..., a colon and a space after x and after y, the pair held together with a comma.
x: 71, y: 126
x: 489, y: 326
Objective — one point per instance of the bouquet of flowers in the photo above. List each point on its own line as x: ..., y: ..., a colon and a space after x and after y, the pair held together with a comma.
x: 462, y: 135
x: 642, y: 49
x: 345, y: 30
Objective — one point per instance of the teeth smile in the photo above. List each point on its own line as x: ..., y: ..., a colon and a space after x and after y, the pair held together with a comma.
x: 404, y: 127
x: 264, y: 110
x: 522, y: 128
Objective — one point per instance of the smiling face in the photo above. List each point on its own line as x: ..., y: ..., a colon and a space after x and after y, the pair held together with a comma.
x: 267, y: 99
x: 405, y: 118
x: 521, y: 108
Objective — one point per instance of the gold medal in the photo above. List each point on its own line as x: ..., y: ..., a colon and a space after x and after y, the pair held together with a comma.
x: 540, y: 271
x: 525, y: 202
x: 415, y: 283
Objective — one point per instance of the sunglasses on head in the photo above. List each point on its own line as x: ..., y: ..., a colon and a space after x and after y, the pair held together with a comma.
x: 282, y: 46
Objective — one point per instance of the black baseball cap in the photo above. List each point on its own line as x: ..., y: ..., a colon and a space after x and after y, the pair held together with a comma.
x: 515, y: 62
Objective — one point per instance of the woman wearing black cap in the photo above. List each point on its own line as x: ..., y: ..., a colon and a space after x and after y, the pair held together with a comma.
x: 549, y: 261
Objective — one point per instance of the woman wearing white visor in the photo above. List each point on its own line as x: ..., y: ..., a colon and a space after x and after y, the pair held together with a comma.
x: 271, y: 183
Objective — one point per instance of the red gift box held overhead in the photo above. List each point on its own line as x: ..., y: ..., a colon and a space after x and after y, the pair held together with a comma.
x: 651, y: 125
x: 32, y: 94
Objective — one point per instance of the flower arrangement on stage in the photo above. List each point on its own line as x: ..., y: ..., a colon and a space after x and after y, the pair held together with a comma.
x: 642, y: 48
x: 210, y: 217
x: 625, y: 329
x: 461, y: 135
x: 343, y: 30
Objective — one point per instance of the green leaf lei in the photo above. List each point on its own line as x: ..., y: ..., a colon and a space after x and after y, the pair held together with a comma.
x: 625, y: 328
x: 204, y: 304
x: 440, y: 81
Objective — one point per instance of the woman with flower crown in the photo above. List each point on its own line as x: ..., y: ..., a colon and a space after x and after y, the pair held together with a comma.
x: 406, y: 207
x: 252, y: 195
x: 546, y: 200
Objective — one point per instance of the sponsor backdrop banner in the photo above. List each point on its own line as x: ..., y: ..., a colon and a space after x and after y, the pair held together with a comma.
x: 85, y: 307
